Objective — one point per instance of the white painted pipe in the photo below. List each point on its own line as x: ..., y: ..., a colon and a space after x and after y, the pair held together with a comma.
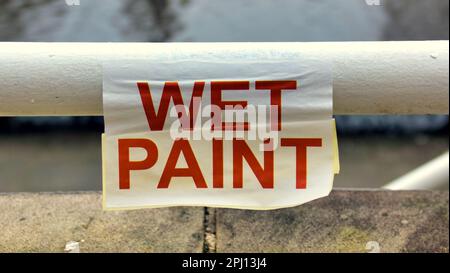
x: 430, y: 176
x: 369, y: 77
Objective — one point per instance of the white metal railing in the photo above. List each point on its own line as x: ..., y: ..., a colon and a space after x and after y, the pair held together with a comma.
x: 368, y: 77
x: 432, y: 175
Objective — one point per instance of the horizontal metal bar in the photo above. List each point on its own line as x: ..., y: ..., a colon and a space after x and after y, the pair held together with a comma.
x: 45, y: 79
x: 433, y: 175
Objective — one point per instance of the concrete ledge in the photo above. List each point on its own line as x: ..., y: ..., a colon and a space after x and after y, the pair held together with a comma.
x: 346, y: 221
x: 45, y: 222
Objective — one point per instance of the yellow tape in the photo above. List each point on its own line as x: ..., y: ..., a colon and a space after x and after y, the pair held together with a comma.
x: 336, y: 164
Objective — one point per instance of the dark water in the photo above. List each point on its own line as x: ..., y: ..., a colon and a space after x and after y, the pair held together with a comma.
x: 217, y: 20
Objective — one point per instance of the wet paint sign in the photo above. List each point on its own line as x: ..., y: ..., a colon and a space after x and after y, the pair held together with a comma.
x: 223, y: 125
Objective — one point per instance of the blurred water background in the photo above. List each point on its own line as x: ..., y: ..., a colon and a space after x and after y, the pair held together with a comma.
x: 63, y: 153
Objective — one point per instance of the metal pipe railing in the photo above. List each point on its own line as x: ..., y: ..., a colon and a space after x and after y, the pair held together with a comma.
x: 431, y: 175
x: 49, y: 79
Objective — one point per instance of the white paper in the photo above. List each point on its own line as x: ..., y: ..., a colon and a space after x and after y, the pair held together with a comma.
x: 306, y: 113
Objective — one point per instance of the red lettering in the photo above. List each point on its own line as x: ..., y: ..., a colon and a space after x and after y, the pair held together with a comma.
x: 172, y: 92
x: 193, y: 169
x: 301, y: 145
x: 265, y: 175
x: 216, y: 99
x: 275, y: 88
x: 125, y: 165
x: 217, y: 163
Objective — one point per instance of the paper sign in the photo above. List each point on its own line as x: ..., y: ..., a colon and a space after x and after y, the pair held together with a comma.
x: 222, y: 125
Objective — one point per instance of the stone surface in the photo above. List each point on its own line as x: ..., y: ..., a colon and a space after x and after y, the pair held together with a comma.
x: 45, y: 222
x: 346, y: 221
